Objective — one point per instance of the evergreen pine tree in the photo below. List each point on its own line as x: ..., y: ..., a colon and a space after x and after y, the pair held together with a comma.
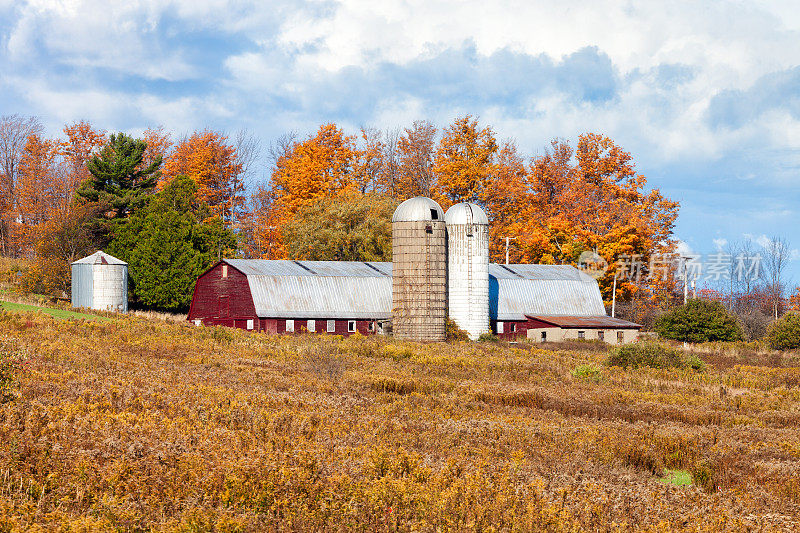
x: 119, y: 180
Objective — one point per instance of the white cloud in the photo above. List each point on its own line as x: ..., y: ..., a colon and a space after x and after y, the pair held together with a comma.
x: 720, y: 243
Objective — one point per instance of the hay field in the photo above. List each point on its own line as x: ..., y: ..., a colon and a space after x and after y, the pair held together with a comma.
x: 134, y: 424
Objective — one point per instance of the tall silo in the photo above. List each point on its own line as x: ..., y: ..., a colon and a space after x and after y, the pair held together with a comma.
x: 468, y: 268
x: 419, y: 270
x: 100, y: 281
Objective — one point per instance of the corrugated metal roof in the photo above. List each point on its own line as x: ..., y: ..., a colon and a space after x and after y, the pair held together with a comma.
x: 519, y: 290
x: 279, y: 267
x: 350, y: 289
x: 99, y: 257
x: 322, y: 296
x: 542, y: 272
x: 588, y: 322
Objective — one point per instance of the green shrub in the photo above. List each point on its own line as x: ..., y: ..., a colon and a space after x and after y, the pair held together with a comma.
x: 699, y: 321
x: 653, y: 355
x: 588, y: 373
x: 784, y: 334
x: 453, y: 332
x: 488, y: 337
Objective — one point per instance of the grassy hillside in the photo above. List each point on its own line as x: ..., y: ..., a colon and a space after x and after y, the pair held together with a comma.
x: 132, y: 424
x: 62, y: 314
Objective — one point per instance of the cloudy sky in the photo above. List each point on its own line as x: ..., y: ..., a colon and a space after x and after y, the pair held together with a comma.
x: 705, y: 94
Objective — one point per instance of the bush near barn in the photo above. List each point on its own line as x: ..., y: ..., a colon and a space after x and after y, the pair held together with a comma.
x: 699, y: 321
x: 130, y: 424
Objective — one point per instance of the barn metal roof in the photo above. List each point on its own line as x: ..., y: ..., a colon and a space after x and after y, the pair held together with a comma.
x: 99, y: 258
x: 588, y: 322
x: 281, y: 267
x: 352, y: 289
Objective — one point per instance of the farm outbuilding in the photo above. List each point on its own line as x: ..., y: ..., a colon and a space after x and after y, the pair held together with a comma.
x: 100, y: 281
x: 343, y: 297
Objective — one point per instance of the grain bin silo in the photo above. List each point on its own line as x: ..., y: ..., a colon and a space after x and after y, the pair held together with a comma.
x: 100, y: 281
x: 419, y: 270
x: 468, y: 268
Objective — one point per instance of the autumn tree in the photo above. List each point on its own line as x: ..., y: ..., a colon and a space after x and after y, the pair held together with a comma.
x: 353, y: 227
x: 61, y: 241
x: 592, y: 199
x: 415, y: 175
x: 369, y: 168
x: 505, y: 198
x: 82, y: 143
x: 159, y: 145
x: 119, y: 181
x: 14, y: 133
x: 40, y: 195
x: 215, y: 165
x: 464, y: 161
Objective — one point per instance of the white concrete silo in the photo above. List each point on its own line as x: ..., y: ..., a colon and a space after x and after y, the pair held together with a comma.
x: 100, y: 281
x: 468, y: 268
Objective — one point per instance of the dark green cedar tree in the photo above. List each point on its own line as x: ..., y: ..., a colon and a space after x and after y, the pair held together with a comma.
x: 168, y: 244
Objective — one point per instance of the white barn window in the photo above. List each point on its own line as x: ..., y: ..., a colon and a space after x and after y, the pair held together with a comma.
x: 250, y: 323
x: 331, y: 326
x: 311, y: 325
x: 289, y: 325
x: 351, y: 326
x: 499, y: 327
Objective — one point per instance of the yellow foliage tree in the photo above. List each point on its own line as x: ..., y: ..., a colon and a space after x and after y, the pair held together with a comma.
x: 464, y: 161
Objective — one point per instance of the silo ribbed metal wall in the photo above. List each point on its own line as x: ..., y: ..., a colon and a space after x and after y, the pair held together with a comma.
x: 110, y: 287
x: 419, y: 281
x: 82, y: 285
x: 468, y: 277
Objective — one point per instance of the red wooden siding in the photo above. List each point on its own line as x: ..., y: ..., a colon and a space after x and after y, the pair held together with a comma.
x: 223, y: 301
x: 521, y: 329
x: 219, y: 301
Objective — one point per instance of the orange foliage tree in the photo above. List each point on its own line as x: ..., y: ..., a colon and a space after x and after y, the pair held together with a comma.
x: 81, y: 144
x: 504, y: 198
x: 213, y: 164
x: 594, y: 201
x: 464, y: 161
x: 40, y: 195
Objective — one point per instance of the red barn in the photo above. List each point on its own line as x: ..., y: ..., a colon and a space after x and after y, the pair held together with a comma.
x: 278, y: 296
x: 544, y: 303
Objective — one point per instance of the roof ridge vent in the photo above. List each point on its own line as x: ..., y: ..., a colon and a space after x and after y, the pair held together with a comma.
x: 375, y: 269
x: 301, y: 265
x: 512, y: 271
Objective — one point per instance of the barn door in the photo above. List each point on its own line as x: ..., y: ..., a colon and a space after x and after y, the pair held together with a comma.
x: 224, y: 307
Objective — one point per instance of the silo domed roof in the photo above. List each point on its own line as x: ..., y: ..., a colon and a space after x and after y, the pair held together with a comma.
x: 100, y: 258
x: 418, y: 208
x: 466, y: 213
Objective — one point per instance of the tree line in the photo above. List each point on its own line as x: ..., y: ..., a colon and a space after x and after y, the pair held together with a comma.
x: 328, y: 195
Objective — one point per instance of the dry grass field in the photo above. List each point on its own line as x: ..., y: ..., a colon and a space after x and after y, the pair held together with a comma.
x: 134, y: 424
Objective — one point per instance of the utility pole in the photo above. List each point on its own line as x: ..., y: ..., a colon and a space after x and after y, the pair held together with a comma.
x: 614, y: 298
x: 507, y: 239
x: 685, y: 282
